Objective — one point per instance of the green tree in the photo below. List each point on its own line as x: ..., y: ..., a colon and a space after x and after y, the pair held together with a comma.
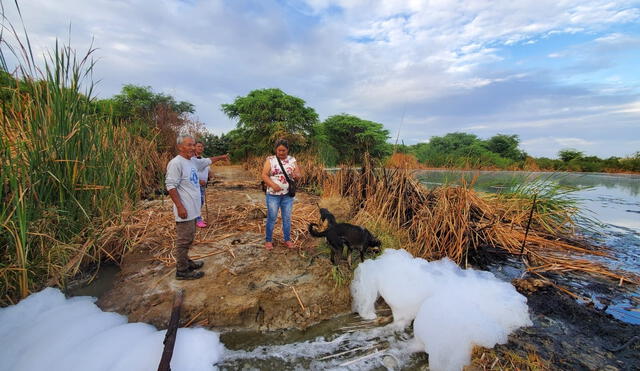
x: 453, y: 141
x: 506, y: 146
x: 569, y: 154
x: 351, y: 137
x: 467, y: 150
x: 631, y: 163
x: 141, y: 102
x: 149, y: 114
x: 215, y: 145
x: 240, y: 146
x: 268, y: 114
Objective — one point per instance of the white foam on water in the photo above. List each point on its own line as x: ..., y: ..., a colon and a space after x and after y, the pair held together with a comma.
x: 454, y: 309
x: 326, y: 354
x: 46, y: 331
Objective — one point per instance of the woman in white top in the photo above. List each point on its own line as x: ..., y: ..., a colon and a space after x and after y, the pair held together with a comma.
x: 277, y: 189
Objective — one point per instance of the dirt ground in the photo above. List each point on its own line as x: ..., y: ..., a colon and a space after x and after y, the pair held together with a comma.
x: 244, y: 286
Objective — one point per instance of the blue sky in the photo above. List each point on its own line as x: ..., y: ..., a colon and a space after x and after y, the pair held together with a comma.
x: 558, y: 74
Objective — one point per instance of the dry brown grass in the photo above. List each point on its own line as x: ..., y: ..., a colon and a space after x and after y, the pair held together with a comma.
x: 446, y: 221
x: 455, y: 221
x: 152, y: 227
x: 403, y: 160
x: 502, y: 359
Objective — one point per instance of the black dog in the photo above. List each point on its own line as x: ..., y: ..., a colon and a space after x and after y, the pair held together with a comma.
x: 340, y: 234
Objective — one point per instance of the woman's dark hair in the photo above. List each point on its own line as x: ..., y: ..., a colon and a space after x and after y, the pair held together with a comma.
x: 282, y: 142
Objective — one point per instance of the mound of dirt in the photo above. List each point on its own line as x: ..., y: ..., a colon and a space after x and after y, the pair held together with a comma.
x: 244, y: 287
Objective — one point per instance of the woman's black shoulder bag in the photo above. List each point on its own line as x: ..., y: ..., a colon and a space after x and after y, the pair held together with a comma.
x: 292, y: 183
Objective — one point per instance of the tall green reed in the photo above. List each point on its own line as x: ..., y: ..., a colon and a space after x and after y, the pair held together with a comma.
x: 557, y: 207
x: 65, y: 168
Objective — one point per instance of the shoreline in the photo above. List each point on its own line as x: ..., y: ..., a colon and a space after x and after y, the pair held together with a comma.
x: 144, y: 292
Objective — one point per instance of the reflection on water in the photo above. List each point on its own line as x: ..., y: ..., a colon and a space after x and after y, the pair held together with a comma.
x: 628, y: 184
x: 94, y: 285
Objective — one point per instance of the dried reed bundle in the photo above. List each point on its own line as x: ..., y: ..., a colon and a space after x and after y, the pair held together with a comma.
x: 454, y: 221
x: 254, y: 165
x: 403, y: 161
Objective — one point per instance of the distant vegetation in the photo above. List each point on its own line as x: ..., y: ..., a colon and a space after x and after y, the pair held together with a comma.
x: 265, y: 115
x: 572, y: 160
x: 462, y: 150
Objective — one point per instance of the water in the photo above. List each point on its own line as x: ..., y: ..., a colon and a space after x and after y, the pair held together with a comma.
x: 613, y: 200
x: 341, y: 343
x: 96, y: 285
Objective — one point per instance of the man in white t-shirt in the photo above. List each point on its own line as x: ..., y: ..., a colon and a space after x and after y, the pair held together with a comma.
x: 184, y: 189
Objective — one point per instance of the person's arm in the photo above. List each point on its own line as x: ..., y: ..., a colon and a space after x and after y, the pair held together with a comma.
x: 219, y: 158
x: 204, y: 182
x: 266, y: 168
x: 172, y: 181
x: 182, y: 212
x: 297, y: 172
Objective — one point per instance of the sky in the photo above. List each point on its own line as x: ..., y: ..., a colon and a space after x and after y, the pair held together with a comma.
x: 559, y: 74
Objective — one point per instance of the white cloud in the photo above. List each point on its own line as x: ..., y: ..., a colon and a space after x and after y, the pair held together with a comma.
x: 573, y: 142
x: 370, y: 58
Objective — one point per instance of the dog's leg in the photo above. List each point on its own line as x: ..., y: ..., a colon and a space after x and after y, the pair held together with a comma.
x: 336, y: 243
x: 333, y: 256
x: 365, y: 245
x: 346, y: 242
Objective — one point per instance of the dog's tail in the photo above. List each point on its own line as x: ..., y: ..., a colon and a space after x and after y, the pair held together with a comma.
x: 315, y: 233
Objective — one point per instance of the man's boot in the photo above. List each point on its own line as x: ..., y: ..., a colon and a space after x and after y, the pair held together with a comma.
x: 188, y: 275
x: 193, y: 265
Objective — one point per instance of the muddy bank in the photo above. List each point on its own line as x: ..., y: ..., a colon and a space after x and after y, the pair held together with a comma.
x: 572, y: 336
x: 245, y: 286
x: 567, y: 333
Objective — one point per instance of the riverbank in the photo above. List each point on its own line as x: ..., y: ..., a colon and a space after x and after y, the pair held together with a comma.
x: 291, y: 294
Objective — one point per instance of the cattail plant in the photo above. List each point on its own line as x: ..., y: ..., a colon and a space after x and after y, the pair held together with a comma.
x: 65, y: 167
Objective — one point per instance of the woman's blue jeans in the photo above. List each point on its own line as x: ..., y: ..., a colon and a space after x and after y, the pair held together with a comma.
x: 284, y: 203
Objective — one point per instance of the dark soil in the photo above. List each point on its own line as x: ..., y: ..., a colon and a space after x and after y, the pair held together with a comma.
x: 569, y: 334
